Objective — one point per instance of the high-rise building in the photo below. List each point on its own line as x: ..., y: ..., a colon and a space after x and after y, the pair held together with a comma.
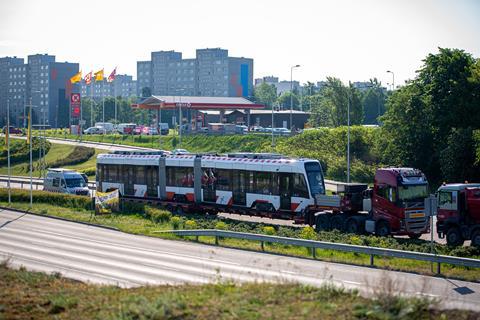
x: 211, y: 73
x: 48, y: 87
x: 144, y: 76
x: 13, y: 78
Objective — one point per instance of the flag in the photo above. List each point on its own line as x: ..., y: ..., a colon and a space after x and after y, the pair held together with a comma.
x: 99, y: 75
x: 111, y: 77
x: 76, y: 78
x: 29, y: 130
x: 88, y: 78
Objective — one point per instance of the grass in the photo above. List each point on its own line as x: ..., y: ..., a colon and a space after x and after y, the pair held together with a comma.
x: 138, y: 223
x: 33, y: 295
x: 56, y: 152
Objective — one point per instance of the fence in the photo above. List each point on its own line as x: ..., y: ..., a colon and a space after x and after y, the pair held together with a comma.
x: 372, y: 251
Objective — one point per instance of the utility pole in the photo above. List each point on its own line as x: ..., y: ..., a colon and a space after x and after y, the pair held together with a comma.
x: 7, y: 137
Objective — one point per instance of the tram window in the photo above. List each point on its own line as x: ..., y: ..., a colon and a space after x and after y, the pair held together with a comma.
x: 224, y: 180
x: 275, y: 184
x: 299, y: 186
x: 100, y: 172
x: 180, y: 177
x: 139, y: 175
x: 209, y: 178
x: 262, y: 182
x: 113, y: 173
x: 250, y: 182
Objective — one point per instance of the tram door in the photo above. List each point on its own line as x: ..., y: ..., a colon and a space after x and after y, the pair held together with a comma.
x: 285, y: 194
x: 239, y: 187
x: 209, y: 185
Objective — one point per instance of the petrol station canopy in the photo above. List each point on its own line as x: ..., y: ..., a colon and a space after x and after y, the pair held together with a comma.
x: 196, y: 103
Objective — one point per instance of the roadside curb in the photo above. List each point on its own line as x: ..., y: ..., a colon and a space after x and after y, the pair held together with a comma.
x: 60, y: 218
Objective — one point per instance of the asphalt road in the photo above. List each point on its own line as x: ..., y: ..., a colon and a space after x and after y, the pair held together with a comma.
x: 99, y: 255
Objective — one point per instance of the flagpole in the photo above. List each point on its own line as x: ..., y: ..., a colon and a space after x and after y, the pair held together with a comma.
x: 8, y: 151
x: 103, y: 103
x: 30, y: 143
x: 80, y: 125
x: 115, y: 99
x: 92, y: 86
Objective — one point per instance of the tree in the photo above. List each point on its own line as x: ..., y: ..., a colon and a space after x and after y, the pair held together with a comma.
x: 287, y: 97
x: 432, y: 112
x: 373, y: 102
x: 265, y: 94
x: 320, y: 111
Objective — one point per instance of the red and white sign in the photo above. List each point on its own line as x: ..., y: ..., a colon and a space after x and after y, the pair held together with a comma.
x: 75, y: 101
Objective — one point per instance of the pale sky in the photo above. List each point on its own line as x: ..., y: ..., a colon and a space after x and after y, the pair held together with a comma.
x: 351, y: 39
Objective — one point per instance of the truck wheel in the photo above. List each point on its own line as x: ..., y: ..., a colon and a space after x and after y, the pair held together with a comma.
x: 476, y: 239
x: 338, y: 223
x: 415, y: 236
x: 454, y: 237
x: 322, y: 222
x: 352, y: 226
x: 382, y: 229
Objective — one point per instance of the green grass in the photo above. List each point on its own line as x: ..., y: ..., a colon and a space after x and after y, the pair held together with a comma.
x: 140, y: 223
x: 56, y: 152
x: 33, y: 295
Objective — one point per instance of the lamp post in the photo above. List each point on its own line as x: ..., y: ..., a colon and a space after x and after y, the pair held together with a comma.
x: 291, y: 93
x: 393, y: 79
x: 348, y: 136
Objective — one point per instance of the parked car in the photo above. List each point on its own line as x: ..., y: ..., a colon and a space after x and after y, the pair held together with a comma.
x: 242, y: 129
x: 12, y: 130
x: 126, y: 128
x: 107, y: 126
x: 180, y: 151
x: 258, y: 129
x: 281, y: 131
x: 66, y: 181
x: 151, y: 131
x: 94, y: 130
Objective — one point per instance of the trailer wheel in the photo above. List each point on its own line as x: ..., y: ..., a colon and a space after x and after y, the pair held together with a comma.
x: 322, y: 222
x: 179, y: 210
x: 382, y: 229
x: 454, y: 237
x: 352, y: 226
x: 476, y: 238
x: 338, y: 222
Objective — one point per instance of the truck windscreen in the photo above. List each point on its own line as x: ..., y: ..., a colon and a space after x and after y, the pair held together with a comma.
x: 412, y: 192
x: 315, y: 178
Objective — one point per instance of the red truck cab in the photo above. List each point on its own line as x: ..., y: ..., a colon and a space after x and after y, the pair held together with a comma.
x: 458, y: 213
x: 398, y: 202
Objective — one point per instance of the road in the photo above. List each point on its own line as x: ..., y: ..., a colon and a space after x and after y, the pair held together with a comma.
x: 99, y: 255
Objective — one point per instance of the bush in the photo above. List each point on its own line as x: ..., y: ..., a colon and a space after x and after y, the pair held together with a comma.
x: 308, y: 233
x: 269, y: 230
x: 157, y: 215
x: 176, y: 222
x: 91, y: 171
x: 132, y: 207
x: 220, y: 225
x: 59, y: 199
x: 190, y: 224
x: 78, y: 155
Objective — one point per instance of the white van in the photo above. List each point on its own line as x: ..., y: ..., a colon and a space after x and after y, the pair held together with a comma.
x: 107, y: 126
x: 66, y: 181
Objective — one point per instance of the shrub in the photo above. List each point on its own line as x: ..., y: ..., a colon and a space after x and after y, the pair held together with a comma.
x: 308, y: 233
x: 78, y: 155
x: 91, y: 171
x: 59, y: 199
x: 269, y: 230
x: 176, y: 222
x: 220, y: 225
x: 132, y: 207
x: 190, y: 224
x: 157, y: 215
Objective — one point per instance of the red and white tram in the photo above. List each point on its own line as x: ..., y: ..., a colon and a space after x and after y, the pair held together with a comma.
x: 246, y: 183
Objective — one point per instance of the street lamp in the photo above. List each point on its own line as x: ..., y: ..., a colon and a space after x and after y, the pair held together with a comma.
x: 393, y: 78
x: 291, y: 93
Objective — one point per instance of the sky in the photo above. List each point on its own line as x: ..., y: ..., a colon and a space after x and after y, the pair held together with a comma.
x: 354, y: 40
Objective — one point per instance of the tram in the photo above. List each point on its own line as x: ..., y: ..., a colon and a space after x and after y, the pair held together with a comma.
x: 246, y: 183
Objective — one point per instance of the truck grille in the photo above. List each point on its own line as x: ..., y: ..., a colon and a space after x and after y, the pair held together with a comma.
x: 415, y: 220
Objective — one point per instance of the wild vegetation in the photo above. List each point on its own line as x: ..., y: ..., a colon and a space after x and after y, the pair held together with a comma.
x: 34, y: 295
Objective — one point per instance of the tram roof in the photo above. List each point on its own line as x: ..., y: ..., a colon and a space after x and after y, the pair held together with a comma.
x: 197, y: 103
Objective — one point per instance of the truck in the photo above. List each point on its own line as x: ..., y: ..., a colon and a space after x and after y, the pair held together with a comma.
x: 458, y: 213
x: 394, y: 206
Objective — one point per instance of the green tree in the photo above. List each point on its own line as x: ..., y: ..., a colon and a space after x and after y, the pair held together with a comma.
x: 265, y: 94
x: 320, y: 111
x: 373, y: 102
x: 427, y: 115
x: 287, y: 97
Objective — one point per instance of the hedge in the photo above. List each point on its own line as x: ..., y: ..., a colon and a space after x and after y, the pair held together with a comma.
x: 39, y: 196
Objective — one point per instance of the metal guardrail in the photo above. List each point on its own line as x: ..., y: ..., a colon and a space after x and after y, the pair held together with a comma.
x: 23, y: 181
x: 372, y: 251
